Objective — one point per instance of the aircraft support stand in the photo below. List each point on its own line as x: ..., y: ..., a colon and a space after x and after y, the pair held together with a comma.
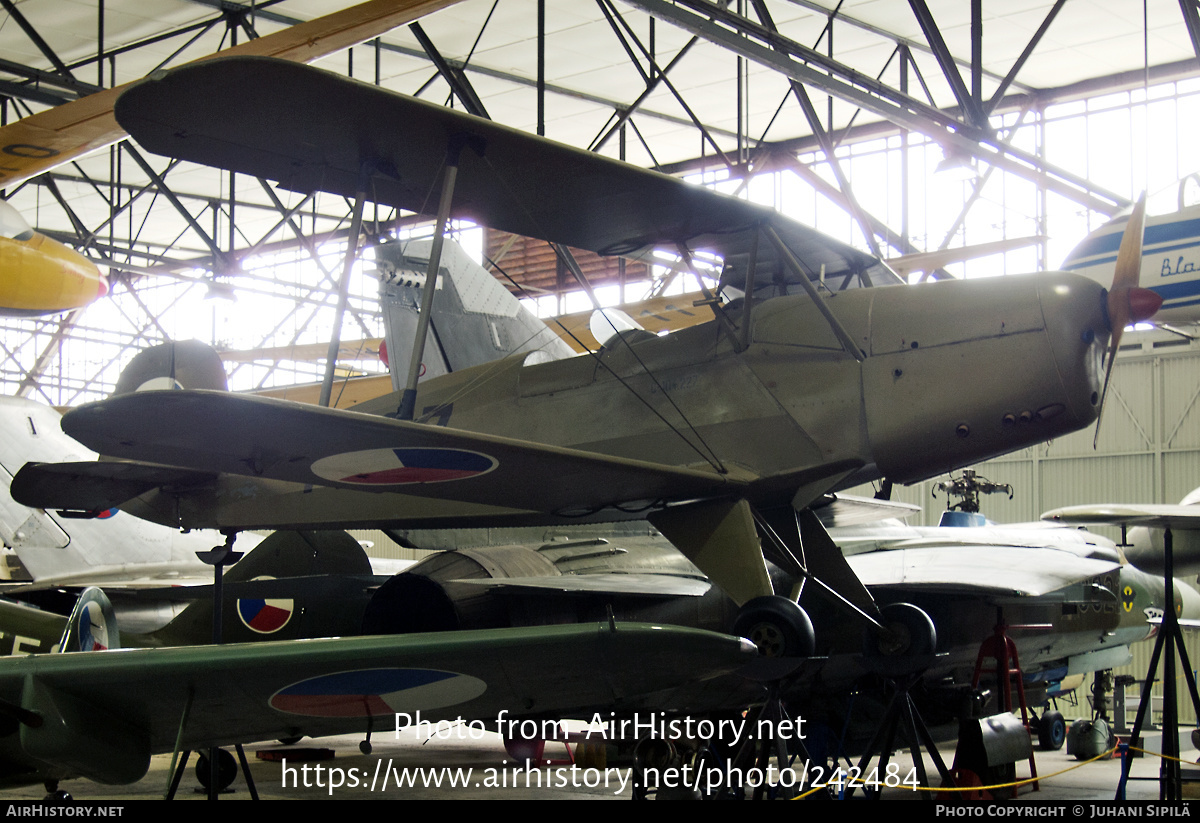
x: 883, y: 743
x: 1170, y: 639
x: 218, y: 557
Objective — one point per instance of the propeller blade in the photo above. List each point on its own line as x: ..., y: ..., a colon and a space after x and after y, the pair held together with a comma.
x: 1127, y: 301
x: 1129, y: 257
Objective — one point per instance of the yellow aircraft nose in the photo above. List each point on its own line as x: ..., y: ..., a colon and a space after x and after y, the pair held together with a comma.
x: 39, y: 275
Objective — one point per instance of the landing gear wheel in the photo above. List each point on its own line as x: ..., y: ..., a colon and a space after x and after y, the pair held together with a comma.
x: 1052, y: 731
x: 778, y: 626
x: 911, y: 633
x: 54, y: 794
x: 227, y: 770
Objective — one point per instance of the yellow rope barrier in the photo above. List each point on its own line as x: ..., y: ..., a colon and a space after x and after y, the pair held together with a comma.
x: 1014, y: 784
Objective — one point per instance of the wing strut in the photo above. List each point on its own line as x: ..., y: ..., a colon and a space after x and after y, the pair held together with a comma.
x: 454, y: 149
x: 748, y: 299
x: 792, y: 263
x: 335, y: 337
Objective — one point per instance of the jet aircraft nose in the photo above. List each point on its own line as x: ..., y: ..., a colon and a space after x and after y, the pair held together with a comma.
x: 1187, y: 601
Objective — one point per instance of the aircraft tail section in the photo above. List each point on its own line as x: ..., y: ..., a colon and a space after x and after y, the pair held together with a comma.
x: 294, y: 584
x: 92, y: 625
x: 183, y: 364
x: 300, y: 554
x: 475, y: 319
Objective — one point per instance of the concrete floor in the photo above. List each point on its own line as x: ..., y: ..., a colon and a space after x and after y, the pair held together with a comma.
x: 492, y: 775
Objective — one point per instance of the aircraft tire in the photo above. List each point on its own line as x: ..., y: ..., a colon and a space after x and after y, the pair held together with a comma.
x: 913, y: 629
x: 227, y: 769
x: 1052, y: 731
x: 777, y: 626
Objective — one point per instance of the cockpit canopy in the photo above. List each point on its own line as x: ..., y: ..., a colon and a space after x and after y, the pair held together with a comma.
x: 12, y: 224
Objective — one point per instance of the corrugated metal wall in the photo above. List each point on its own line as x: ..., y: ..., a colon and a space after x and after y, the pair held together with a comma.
x: 1148, y: 452
x: 1141, y: 664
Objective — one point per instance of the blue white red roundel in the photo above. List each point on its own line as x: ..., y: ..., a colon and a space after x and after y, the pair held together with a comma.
x: 398, y: 467
x: 93, y: 628
x: 265, y: 616
x: 376, y: 692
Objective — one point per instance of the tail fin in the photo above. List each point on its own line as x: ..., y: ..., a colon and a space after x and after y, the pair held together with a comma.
x: 301, y: 554
x: 92, y: 625
x: 292, y: 585
x: 183, y: 364
x: 475, y: 319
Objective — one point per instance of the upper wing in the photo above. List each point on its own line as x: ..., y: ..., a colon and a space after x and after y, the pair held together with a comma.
x: 1161, y: 516
x: 312, y: 130
x: 216, y: 432
x: 46, y: 139
x: 997, y: 570
x: 102, y: 716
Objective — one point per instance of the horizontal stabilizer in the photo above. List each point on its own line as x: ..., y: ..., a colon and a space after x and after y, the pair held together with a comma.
x: 95, y: 486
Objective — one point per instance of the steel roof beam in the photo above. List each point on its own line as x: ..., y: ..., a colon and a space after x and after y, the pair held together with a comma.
x: 914, y: 45
x: 219, y: 257
x: 36, y: 38
x: 1191, y: 19
x: 458, y: 81
x: 659, y: 74
x: 808, y: 66
x: 941, y: 52
x: 1011, y: 77
x: 825, y: 141
x: 34, y: 94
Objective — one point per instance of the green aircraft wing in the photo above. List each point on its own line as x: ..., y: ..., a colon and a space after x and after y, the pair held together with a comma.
x: 102, y: 715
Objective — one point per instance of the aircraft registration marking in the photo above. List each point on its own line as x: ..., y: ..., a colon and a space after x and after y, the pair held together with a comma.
x: 397, y: 467
x: 375, y: 692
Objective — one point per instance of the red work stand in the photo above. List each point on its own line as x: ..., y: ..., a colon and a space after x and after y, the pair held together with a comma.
x: 1001, y: 649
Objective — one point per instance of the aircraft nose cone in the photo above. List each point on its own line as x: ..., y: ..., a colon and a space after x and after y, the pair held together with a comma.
x: 1187, y: 601
x: 102, y: 287
x: 1130, y: 305
x: 1143, y: 304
